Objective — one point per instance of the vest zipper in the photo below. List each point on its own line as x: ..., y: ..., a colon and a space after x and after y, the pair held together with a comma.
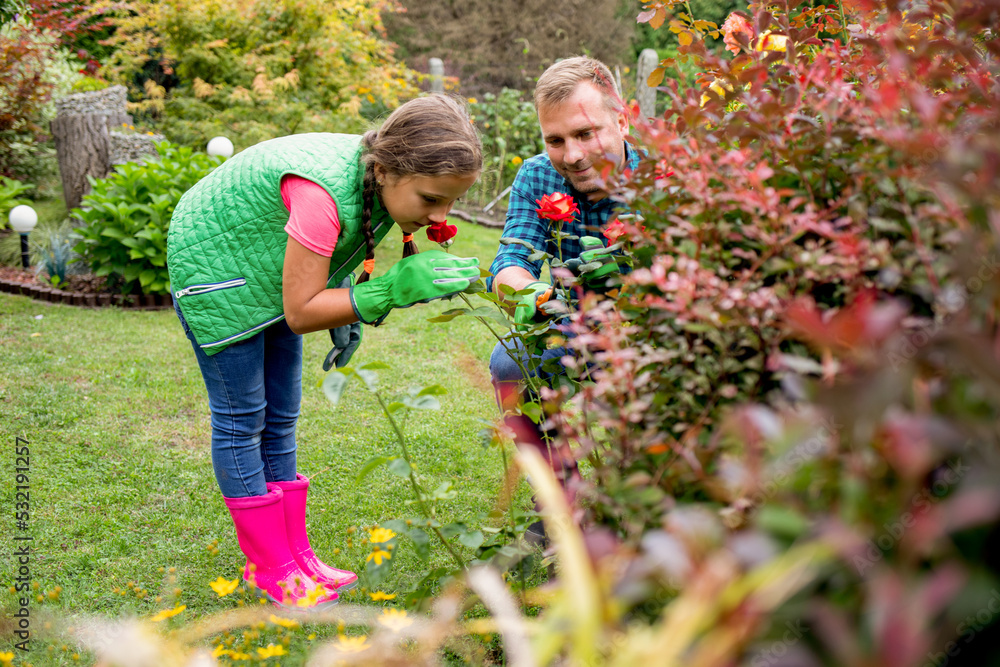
x: 210, y: 287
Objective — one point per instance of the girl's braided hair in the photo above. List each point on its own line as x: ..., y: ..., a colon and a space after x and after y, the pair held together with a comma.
x: 428, y: 136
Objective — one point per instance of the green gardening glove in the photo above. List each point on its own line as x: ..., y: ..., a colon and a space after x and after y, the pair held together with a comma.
x: 432, y: 274
x: 529, y: 304
x: 595, y: 263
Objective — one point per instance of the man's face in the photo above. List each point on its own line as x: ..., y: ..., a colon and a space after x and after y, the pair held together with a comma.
x: 580, y: 132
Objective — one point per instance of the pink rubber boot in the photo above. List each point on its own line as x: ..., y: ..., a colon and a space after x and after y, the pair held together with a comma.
x: 295, y: 523
x: 260, y: 529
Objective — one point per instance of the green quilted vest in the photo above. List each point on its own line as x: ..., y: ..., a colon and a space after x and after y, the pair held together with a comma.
x: 226, y: 244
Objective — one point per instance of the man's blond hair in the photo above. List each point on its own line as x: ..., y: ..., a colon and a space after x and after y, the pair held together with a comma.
x: 557, y: 83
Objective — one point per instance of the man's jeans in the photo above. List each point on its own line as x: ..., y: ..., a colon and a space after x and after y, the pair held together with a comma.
x: 254, y: 392
x: 507, y: 376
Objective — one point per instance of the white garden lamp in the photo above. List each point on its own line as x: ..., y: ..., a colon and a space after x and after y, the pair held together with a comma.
x: 22, y: 220
x: 220, y: 146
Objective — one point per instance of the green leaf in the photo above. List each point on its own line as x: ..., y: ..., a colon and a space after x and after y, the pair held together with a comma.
x: 399, y: 467
x: 784, y: 521
x: 132, y: 271
x: 370, y: 378
x: 532, y: 411
x: 113, y: 232
x: 333, y: 386
x: 445, y: 491
x: 371, y: 464
x: 376, y: 366
x: 506, y: 240
x: 448, y: 315
x: 433, y: 390
x: 421, y: 541
x: 422, y: 402
x: 472, y: 540
x: 450, y: 530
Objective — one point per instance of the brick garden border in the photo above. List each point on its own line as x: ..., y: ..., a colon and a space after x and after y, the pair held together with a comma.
x: 51, y: 294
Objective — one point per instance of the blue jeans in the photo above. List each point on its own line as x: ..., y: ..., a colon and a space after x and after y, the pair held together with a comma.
x: 255, y: 393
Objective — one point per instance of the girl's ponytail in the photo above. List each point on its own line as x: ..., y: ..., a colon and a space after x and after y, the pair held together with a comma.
x: 367, y: 204
x: 409, y: 246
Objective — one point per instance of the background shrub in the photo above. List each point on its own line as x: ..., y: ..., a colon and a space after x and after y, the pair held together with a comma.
x: 254, y: 71
x: 124, y: 219
x: 10, y: 196
x: 508, y: 128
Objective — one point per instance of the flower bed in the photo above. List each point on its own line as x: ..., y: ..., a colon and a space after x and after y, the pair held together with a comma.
x: 82, y: 290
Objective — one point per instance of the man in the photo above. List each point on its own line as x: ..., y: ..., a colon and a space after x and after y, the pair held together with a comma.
x: 584, y: 127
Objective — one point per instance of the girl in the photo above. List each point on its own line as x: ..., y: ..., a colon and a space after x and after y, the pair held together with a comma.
x: 255, y: 250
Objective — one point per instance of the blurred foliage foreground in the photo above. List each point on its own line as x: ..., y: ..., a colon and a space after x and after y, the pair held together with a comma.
x: 790, y: 406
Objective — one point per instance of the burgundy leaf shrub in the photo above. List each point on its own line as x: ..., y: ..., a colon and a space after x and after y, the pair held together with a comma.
x: 807, y: 346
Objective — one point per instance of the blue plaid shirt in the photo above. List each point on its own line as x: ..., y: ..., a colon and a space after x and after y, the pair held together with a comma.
x: 536, y: 178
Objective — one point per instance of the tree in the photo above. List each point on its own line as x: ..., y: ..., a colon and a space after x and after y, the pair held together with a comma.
x: 491, y: 45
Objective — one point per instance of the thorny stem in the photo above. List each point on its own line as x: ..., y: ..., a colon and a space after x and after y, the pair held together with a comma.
x: 468, y: 303
x: 416, y: 485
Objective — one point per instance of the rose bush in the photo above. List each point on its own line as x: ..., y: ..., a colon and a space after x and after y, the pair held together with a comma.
x: 806, y: 350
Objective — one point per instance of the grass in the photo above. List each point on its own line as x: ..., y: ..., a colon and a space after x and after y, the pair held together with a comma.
x: 121, y: 482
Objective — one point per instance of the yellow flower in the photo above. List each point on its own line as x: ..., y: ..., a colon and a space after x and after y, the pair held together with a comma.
x: 167, y: 613
x: 270, y: 651
x: 379, y: 595
x: 516, y: 160
x: 284, y: 622
x: 347, y: 644
x: 236, y: 655
x: 223, y: 586
x: 379, y: 535
x: 7, y: 658
x: 769, y: 42
x: 219, y: 651
x: 312, y: 597
x: 378, y: 555
x: 395, y: 619
x: 473, y: 100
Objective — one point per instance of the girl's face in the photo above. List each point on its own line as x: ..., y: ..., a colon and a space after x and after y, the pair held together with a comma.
x: 418, y: 201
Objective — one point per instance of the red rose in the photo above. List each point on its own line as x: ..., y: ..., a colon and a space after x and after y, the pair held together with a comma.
x: 441, y: 231
x: 614, y: 230
x: 557, y: 207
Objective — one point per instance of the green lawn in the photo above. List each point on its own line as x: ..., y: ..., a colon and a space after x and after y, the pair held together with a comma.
x: 121, y: 483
